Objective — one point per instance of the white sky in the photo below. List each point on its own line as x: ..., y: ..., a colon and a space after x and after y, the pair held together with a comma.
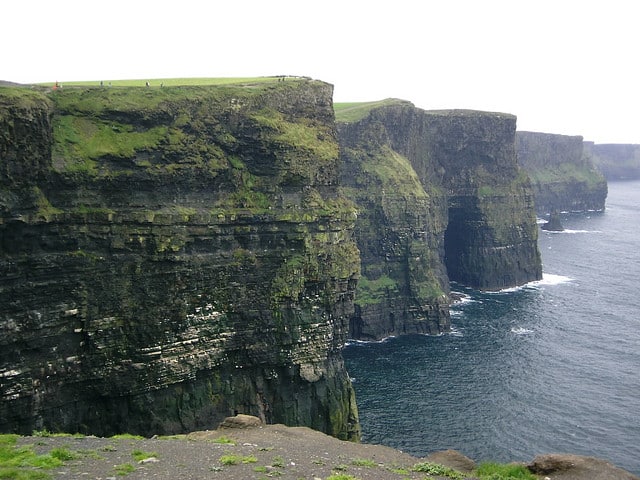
x: 562, y: 66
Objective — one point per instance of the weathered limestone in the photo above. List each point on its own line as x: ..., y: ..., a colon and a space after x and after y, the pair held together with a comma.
x: 171, y: 257
x: 440, y: 197
x: 562, y: 172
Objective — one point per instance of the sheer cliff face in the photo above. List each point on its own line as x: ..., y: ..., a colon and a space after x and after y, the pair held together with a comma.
x: 172, y: 256
x: 562, y: 172
x: 463, y: 211
x: 400, y: 231
x: 615, y: 161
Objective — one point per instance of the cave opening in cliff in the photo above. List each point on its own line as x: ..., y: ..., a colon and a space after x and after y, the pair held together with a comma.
x: 458, y: 238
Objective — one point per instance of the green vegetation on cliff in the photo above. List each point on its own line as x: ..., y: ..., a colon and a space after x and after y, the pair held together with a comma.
x: 562, y: 172
x: 196, y: 230
x: 348, y: 112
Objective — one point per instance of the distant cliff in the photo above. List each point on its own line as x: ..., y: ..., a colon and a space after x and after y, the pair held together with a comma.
x: 171, y: 256
x: 564, y: 178
x: 440, y: 197
x: 615, y: 161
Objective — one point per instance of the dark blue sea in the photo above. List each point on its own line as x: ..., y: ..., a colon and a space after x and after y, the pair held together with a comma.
x: 550, y: 367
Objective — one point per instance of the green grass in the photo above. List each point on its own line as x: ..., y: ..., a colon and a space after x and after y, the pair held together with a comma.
x: 92, y: 138
x: 21, y: 462
x: 139, y: 455
x: 373, y: 291
x: 232, y: 459
x: 224, y: 440
x: 127, y: 436
x: 566, y: 172
x: 124, y: 469
x: 21, y: 97
x: 45, y: 432
x: 500, y: 471
x: 364, y: 462
x: 354, y: 111
x: 341, y: 476
x: 437, y: 469
x: 171, y: 82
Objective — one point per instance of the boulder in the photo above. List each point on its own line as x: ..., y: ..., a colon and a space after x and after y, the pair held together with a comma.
x: 452, y: 459
x: 241, y: 421
x: 575, y: 467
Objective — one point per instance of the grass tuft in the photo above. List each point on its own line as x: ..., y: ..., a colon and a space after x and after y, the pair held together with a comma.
x: 500, y: 471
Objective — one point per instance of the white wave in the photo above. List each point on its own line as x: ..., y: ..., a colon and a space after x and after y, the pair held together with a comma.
x: 521, y: 331
x: 352, y: 341
x: 550, y: 279
x: 547, y: 279
x: 460, y: 298
x: 506, y: 290
x: 454, y: 332
x: 580, y: 231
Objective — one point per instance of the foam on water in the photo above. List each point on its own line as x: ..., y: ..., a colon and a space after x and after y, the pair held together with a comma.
x: 521, y: 331
x: 351, y: 341
x: 549, y: 279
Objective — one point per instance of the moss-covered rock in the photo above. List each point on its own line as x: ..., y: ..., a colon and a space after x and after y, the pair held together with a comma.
x: 440, y: 196
x: 562, y: 172
x: 172, y: 256
x: 615, y: 161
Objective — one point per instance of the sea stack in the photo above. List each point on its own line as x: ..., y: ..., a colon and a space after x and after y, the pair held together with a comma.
x: 554, y: 224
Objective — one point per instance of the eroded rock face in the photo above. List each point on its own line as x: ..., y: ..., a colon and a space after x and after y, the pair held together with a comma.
x: 562, y: 466
x: 615, y: 161
x: 440, y: 197
x: 562, y: 172
x: 171, y: 257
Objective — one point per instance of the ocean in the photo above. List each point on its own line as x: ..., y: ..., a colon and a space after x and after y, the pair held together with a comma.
x: 553, y: 366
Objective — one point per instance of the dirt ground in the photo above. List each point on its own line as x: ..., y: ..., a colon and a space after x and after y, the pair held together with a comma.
x: 274, y: 451
x: 270, y: 451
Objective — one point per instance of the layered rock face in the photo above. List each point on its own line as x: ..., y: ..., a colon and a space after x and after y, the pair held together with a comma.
x: 400, y: 231
x: 440, y: 197
x: 172, y: 256
x: 615, y: 161
x: 563, y: 174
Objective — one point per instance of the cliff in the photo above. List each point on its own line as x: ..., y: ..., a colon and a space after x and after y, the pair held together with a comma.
x: 563, y: 175
x: 171, y: 256
x: 615, y: 161
x: 440, y: 197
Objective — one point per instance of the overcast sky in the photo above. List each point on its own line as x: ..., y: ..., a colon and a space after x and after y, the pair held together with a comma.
x: 562, y: 66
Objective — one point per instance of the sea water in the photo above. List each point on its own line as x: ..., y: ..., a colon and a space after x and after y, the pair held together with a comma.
x: 553, y: 366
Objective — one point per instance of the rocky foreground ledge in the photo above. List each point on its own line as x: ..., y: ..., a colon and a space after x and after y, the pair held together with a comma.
x: 243, y: 448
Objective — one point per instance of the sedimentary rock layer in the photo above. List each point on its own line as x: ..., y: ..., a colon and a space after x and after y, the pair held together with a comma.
x: 171, y: 256
x: 440, y: 197
x: 615, y: 161
x: 562, y: 172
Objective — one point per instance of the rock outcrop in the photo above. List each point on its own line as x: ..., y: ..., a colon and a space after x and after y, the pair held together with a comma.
x: 615, y: 161
x: 172, y: 256
x: 554, y: 224
x: 440, y: 197
x: 562, y: 466
x: 564, y: 178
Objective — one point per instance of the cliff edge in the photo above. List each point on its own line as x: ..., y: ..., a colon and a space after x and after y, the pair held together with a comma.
x: 171, y: 256
x: 562, y: 171
x: 440, y: 197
